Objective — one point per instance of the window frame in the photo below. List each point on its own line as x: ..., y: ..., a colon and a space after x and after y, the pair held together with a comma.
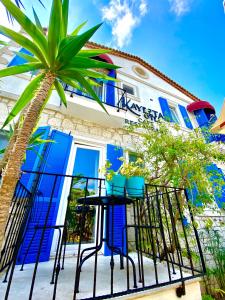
x: 174, y: 112
x: 134, y: 87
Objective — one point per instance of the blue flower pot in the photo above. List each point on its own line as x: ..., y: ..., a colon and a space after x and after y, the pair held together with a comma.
x: 135, y: 186
x: 116, y: 186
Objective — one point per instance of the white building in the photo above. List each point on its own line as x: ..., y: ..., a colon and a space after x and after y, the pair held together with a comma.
x: 85, y: 135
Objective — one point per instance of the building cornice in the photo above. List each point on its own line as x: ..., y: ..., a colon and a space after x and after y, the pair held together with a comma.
x: 146, y: 65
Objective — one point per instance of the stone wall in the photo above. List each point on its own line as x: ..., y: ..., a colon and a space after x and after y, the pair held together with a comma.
x: 75, y: 126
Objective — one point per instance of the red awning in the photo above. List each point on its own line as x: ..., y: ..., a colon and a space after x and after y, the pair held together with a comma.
x: 106, y: 58
x: 200, y: 105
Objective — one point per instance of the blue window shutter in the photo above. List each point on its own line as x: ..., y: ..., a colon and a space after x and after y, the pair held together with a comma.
x: 17, y: 60
x: 185, y: 116
x: 34, y: 158
x: 110, y: 89
x: 165, y: 109
x: 193, y: 196
x: 113, y: 153
x: 204, y: 124
x: 218, y: 180
x: 55, y: 161
x: 201, y: 117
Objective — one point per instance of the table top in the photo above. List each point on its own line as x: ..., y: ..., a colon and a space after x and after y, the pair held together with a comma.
x: 104, y: 200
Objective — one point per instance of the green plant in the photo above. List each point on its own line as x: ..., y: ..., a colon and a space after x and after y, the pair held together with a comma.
x: 134, y: 168
x: 56, y: 57
x: 35, y: 140
x: 107, y: 171
x: 207, y: 297
x: 180, y: 159
x: 216, y: 249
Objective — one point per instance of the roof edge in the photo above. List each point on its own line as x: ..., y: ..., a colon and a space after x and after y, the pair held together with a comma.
x: 147, y: 66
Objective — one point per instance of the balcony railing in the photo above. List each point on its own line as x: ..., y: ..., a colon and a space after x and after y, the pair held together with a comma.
x: 119, y: 100
x: 19, y: 212
x: 145, y: 241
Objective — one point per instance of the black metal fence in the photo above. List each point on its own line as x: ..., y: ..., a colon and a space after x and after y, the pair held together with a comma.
x: 118, y: 99
x: 104, y: 246
x: 16, y: 224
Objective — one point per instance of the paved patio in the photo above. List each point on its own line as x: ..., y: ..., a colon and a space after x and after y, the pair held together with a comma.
x: 44, y: 290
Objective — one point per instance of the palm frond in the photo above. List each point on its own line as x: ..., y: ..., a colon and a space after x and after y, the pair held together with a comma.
x: 54, y: 30
x: 24, y: 99
x: 60, y: 92
x: 20, y: 69
x: 30, y: 28
x: 24, y: 42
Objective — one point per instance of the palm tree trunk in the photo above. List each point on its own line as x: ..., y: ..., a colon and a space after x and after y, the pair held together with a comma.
x: 11, y: 173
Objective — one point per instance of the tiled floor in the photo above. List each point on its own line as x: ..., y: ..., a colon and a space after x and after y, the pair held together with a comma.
x: 43, y: 290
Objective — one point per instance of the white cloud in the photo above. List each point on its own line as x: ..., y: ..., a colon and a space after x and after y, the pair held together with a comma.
x: 180, y: 7
x: 124, y: 16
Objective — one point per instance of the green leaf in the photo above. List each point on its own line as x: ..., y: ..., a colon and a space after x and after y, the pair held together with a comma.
x: 28, y: 57
x: 30, y: 28
x: 88, y: 73
x: 61, y: 92
x: 3, y: 43
x: 65, y: 14
x: 54, y: 30
x: 24, y: 99
x: 71, y: 83
x: 77, y: 30
x: 87, y: 63
x: 24, y: 42
x: 92, y: 82
x: 2, y: 151
x: 37, y: 21
x: 20, y: 69
x: 71, y: 45
x: 92, y: 53
x: 84, y: 83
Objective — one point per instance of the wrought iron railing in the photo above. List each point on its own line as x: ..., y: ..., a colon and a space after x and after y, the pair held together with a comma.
x: 145, y: 241
x: 118, y: 99
x: 16, y: 224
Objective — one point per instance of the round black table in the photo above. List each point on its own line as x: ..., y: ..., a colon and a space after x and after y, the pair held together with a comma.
x: 106, y: 206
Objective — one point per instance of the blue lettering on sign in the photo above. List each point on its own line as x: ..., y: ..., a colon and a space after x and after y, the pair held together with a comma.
x: 141, y: 112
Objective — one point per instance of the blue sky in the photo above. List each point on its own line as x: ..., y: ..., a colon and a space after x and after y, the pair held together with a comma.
x: 185, y: 39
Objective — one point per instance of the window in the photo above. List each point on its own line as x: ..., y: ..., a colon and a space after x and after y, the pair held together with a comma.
x: 174, y: 115
x: 129, y: 89
x: 98, y: 88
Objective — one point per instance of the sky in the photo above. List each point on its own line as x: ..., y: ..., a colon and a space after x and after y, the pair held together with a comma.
x: 184, y: 39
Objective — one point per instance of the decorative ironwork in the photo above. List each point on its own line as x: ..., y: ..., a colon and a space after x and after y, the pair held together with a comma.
x: 153, y: 244
x: 19, y: 212
x: 120, y: 96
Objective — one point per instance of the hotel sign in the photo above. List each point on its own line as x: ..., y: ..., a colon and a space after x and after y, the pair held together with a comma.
x: 142, y: 112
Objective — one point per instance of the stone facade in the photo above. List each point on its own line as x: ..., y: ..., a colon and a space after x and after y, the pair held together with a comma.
x: 77, y: 127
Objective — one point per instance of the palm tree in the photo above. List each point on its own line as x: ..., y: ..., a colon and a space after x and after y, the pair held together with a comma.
x: 56, y: 57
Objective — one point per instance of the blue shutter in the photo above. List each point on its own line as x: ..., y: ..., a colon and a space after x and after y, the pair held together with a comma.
x: 201, y: 117
x: 218, y: 180
x: 204, y: 124
x: 185, y: 116
x: 17, y: 60
x: 34, y: 158
x: 165, y: 109
x: 113, y: 153
x: 193, y: 196
x: 55, y: 161
x: 110, y: 89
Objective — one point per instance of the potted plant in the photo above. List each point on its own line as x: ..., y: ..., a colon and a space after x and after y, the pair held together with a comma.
x: 134, y: 173
x: 115, y: 182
